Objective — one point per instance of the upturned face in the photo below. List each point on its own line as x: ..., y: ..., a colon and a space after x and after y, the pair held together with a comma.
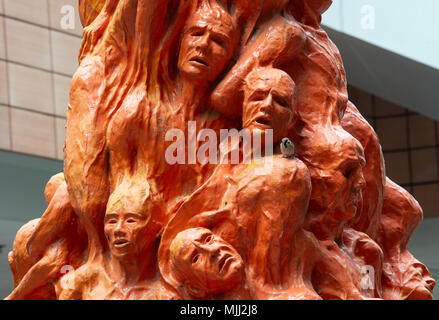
x: 209, y: 264
x: 418, y: 274
x: 206, y: 46
x: 340, y: 179
x: 268, y: 102
x: 125, y: 232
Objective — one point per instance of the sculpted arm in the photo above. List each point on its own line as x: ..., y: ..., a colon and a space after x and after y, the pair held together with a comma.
x: 85, y: 165
x: 275, y: 44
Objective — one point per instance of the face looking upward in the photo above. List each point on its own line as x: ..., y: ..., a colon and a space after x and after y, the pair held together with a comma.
x: 207, y: 44
x: 209, y: 264
x: 268, y: 102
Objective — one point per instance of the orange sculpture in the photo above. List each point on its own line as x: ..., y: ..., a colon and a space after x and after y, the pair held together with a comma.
x: 212, y: 153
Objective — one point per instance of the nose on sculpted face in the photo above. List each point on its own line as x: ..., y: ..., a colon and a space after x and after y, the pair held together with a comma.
x: 267, y: 104
x: 360, y: 180
x: 119, y: 228
x: 202, y: 42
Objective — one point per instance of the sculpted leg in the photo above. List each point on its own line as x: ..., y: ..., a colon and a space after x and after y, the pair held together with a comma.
x: 43, y: 246
x: 54, y: 223
x: 85, y: 165
x: 42, y: 273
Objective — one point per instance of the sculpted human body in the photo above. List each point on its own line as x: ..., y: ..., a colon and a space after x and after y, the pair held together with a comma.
x: 300, y: 224
x: 261, y: 208
x: 128, y: 270
x: 38, y: 258
x: 98, y: 159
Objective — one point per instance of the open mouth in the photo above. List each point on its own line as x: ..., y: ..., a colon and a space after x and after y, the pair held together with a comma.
x: 264, y: 120
x: 120, y: 243
x: 199, y: 61
x: 224, y: 262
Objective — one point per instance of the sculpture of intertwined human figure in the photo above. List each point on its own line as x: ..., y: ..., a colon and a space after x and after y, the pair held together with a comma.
x: 303, y: 227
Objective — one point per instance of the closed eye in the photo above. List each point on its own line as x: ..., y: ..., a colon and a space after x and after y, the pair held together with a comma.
x: 347, y: 172
x: 281, y: 102
x: 219, y: 41
x: 208, y: 239
x: 195, y: 258
x: 257, y: 96
x: 197, y: 33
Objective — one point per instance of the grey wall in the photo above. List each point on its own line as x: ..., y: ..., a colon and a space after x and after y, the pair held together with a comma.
x: 22, y: 183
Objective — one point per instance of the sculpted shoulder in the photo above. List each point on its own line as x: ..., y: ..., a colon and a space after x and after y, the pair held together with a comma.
x: 283, y: 172
x: 87, y: 83
x: 291, y: 168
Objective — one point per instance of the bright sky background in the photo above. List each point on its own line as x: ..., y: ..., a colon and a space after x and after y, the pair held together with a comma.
x: 407, y: 27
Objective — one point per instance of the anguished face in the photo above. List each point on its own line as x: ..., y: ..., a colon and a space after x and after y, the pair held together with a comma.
x: 207, y: 263
x: 129, y: 224
x: 268, y: 102
x: 123, y: 232
x: 418, y: 273
x: 337, y: 177
x: 207, y: 44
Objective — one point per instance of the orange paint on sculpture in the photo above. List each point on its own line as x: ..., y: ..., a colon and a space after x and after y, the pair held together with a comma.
x: 307, y: 220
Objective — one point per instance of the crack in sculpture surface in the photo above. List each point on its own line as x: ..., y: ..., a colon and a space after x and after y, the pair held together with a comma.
x: 320, y: 223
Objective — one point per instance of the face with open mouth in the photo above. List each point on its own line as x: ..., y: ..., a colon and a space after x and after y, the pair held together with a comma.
x: 123, y: 232
x: 268, y: 102
x: 418, y: 274
x: 338, y: 181
x: 206, y: 46
x: 207, y: 262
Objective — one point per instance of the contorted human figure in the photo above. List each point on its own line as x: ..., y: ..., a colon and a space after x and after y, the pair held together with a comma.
x: 404, y: 277
x: 98, y: 161
x: 36, y: 277
x: 295, y: 42
x: 133, y: 219
x: 206, y: 44
x: 131, y: 81
x: 259, y: 208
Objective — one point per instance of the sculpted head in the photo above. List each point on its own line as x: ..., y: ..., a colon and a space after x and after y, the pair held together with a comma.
x: 309, y: 11
x: 205, y: 263
x: 315, y: 6
x: 319, y: 6
x: 132, y: 221
x: 269, y: 97
x: 208, y: 43
x: 420, y: 284
x: 336, y: 168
